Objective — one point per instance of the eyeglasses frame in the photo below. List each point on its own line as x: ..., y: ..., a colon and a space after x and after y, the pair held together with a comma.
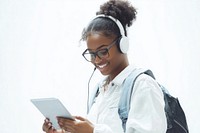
x: 96, y: 52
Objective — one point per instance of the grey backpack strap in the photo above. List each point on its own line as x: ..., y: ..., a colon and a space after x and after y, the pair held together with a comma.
x: 125, y: 99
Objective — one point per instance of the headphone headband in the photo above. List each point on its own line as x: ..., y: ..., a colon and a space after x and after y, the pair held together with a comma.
x: 116, y: 21
x: 124, y: 42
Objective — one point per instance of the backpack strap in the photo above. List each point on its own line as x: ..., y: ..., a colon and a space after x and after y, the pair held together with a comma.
x: 125, y: 99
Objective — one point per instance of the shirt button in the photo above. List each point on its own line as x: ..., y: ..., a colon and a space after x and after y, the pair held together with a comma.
x: 112, y: 84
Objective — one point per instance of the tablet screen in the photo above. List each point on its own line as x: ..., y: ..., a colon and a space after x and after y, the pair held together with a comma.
x: 51, y: 108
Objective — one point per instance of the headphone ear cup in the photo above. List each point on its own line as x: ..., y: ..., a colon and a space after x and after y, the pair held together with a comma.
x: 124, y: 44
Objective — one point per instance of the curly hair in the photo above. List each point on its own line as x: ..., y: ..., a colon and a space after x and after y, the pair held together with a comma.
x: 119, y: 9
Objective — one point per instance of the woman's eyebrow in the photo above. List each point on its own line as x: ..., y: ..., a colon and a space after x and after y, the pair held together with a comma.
x: 98, y: 47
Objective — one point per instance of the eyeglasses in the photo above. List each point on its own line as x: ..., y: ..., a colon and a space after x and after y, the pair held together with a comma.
x: 101, y: 53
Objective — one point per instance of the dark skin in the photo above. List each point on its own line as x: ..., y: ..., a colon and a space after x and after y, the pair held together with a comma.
x: 79, y: 125
x: 116, y: 61
x: 110, y: 66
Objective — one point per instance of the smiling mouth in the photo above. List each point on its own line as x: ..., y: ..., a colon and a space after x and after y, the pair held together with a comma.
x: 102, y: 66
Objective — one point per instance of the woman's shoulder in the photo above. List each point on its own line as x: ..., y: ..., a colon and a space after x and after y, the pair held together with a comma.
x: 145, y: 81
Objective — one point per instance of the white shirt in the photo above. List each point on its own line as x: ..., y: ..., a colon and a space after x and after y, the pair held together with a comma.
x: 146, y: 113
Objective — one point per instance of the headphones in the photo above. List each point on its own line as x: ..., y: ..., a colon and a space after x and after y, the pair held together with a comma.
x: 123, y: 41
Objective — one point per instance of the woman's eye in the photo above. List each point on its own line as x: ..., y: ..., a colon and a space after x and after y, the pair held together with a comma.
x: 103, y: 52
x: 92, y: 56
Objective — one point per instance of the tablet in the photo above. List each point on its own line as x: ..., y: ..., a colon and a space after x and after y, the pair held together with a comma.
x: 51, y: 108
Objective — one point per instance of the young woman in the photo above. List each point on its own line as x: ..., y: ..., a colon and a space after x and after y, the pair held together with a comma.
x: 107, y: 45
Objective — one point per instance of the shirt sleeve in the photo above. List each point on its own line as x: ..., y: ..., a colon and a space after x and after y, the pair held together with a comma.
x: 146, y: 113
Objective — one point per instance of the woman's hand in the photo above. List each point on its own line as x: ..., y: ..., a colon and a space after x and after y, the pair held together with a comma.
x: 48, y: 128
x: 80, y: 125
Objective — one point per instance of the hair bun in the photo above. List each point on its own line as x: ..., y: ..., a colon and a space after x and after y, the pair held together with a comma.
x: 119, y: 9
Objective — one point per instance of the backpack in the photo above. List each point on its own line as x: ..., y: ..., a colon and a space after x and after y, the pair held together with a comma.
x: 176, y: 120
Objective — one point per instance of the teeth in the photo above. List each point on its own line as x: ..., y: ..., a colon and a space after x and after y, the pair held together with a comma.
x: 102, y: 66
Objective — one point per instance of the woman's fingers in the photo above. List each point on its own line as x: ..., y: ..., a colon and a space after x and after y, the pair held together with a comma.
x: 80, y: 118
x: 47, y: 126
x: 80, y: 125
x: 66, y: 124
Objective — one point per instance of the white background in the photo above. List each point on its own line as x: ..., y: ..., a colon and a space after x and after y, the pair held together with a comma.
x: 40, y: 56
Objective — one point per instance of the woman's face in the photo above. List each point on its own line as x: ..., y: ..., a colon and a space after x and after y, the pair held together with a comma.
x: 111, y: 65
